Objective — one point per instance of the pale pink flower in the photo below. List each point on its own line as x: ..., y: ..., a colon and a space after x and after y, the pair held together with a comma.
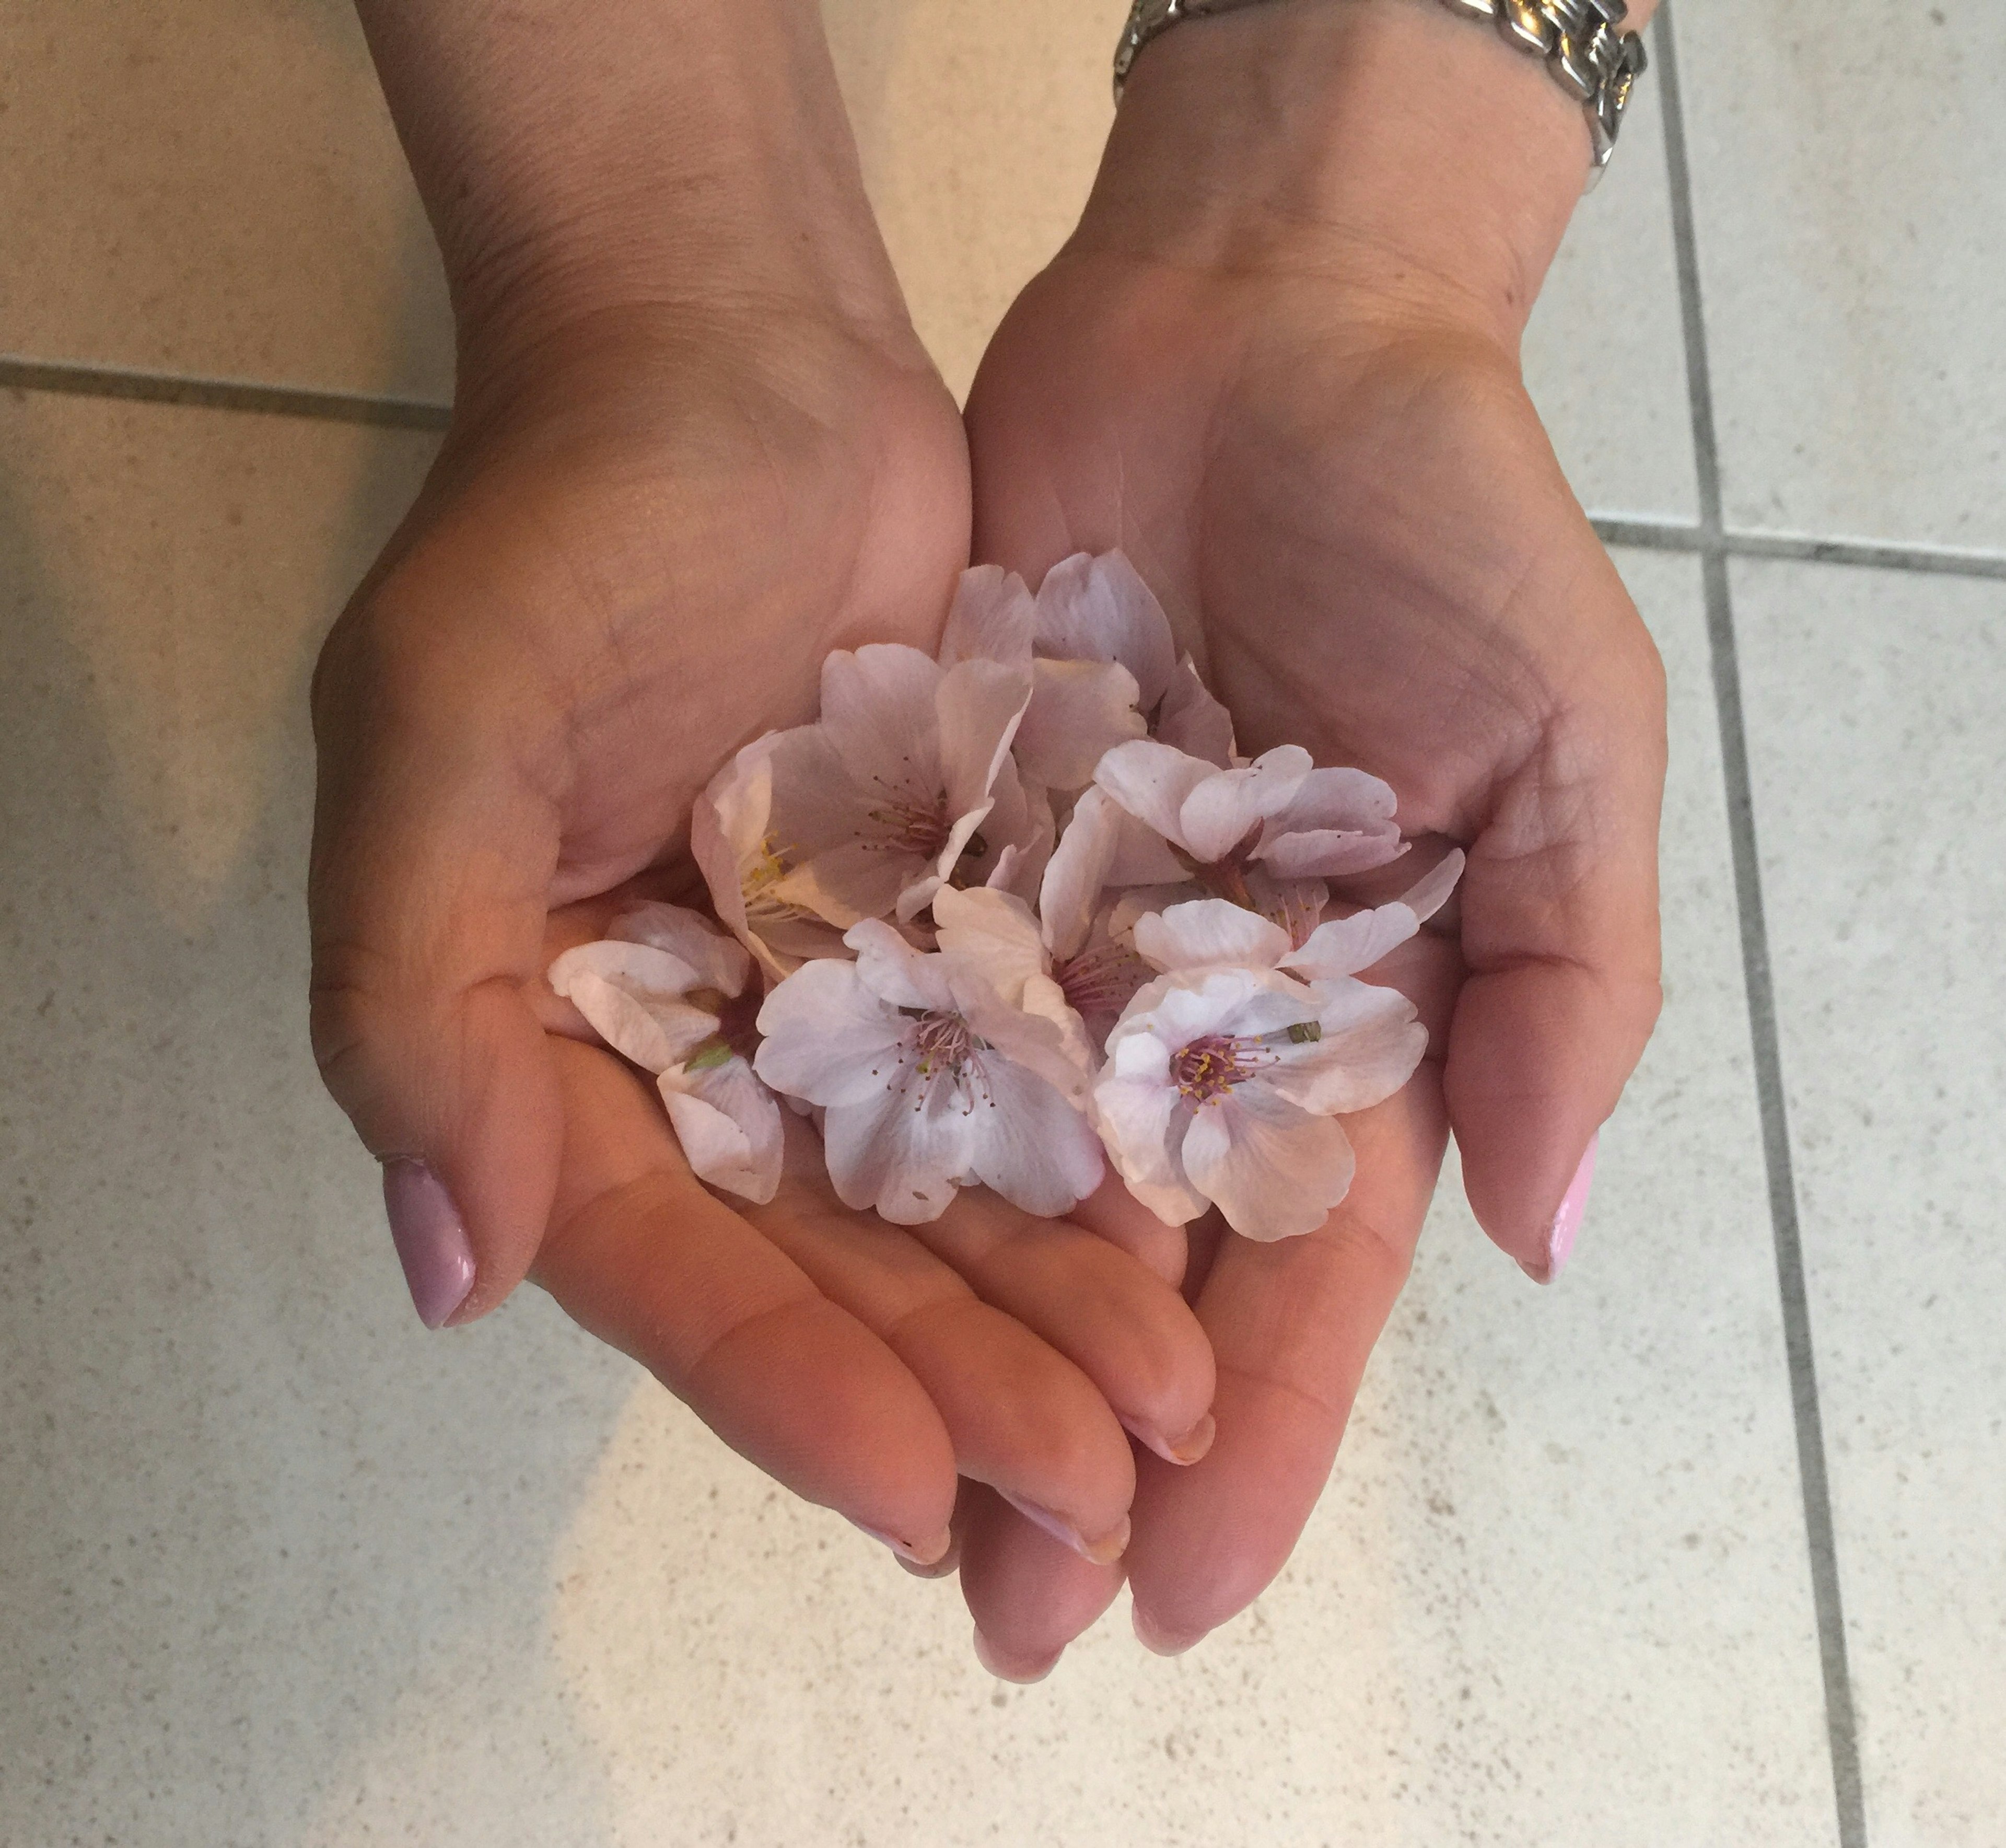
x: 928, y: 1081
x: 1224, y: 1075
x: 670, y: 992
x: 867, y: 813
x: 1105, y: 663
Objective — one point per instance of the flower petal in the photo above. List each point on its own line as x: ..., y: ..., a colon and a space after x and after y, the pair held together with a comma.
x: 1142, y: 1123
x: 1194, y: 722
x: 631, y: 995
x: 1079, y: 711
x: 1346, y: 944
x: 995, y: 931
x: 1029, y: 1144
x: 729, y: 1126
x: 846, y: 885
x: 977, y: 706
x: 1370, y: 1043
x: 878, y: 712
x: 992, y: 619
x: 1077, y: 870
x: 1151, y: 781
x: 902, y: 1155
x: 1431, y: 892
x: 1205, y: 933
x: 898, y: 973
x: 719, y: 961
x: 1351, y: 800
x: 1324, y: 853
x: 1222, y: 809
x: 1099, y: 608
x: 1274, y: 1170
x: 828, y: 1038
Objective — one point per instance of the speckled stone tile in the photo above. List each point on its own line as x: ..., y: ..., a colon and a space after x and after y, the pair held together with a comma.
x: 278, y: 1567
x: 212, y: 189
x: 1883, y: 830
x: 1849, y: 179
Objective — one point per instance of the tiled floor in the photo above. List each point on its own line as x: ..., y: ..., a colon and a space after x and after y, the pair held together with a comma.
x: 1706, y: 1547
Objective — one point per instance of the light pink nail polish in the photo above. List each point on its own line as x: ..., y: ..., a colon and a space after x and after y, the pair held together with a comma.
x: 1566, y: 1222
x: 429, y: 1236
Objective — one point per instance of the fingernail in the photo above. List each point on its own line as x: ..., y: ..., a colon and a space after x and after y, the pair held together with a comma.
x: 1104, y: 1551
x: 1566, y: 1222
x: 1183, y: 1451
x: 1157, y: 1641
x: 430, y: 1239
x: 1006, y: 1668
x: 923, y: 1557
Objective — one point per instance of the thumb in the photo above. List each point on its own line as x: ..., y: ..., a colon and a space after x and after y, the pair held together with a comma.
x: 1560, y: 935
x: 432, y: 858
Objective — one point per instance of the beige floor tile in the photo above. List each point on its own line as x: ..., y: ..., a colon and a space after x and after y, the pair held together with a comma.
x: 212, y: 189
x: 1849, y: 177
x: 1876, y: 768
x: 1605, y: 356
x: 281, y: 1569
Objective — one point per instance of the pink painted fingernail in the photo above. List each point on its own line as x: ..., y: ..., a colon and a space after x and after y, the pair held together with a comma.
x: 1008, y: 1668
x: 431, y: 1238
x: 1105, y: 1551
x: 1566, y: 1222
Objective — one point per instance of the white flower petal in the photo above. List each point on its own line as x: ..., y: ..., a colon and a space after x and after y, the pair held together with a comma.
x: 1052, y: 1044
x: 1092, y: 609
x: 1324, y: 854
x: 977, y: 706
x: 1429, y: 892
x: 1347, y: 800
x: 878, y: 712
x: 1079, y: 711
x: 1222, y: 809
x: 1140, y: 901
x: 992, y: 619
x: 719, y: 961
x: 1078, y: 871
x: 1017, y: 835
x: 997, y: 932
x: 729, y: 1126
x: 897, y: 972
x: 828, y: 1038
x: 1274, y: 1170
x: 1371, y: 1042
x: 1152, y: 781
x: 1029, y: 1144
x: 1179, y: 1008
x: 1346, y: 944
x: 903, y: 1154
x: 846, y: 885
x: 1142, y: 1124
x: 631, y: 995
x: 1192, y: 721
x: 1209, y: 932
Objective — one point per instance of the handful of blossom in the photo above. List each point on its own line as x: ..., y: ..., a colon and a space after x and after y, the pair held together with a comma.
x: 1003, y: 916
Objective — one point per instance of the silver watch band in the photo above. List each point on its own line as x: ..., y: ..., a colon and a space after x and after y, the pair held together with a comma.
x: 1580, y: 41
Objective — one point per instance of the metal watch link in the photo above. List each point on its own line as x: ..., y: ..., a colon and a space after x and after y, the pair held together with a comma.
x: 1581, y: 42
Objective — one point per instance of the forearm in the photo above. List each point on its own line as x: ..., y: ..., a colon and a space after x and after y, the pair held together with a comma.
x: 574, y: 157
x: 1387, y: 140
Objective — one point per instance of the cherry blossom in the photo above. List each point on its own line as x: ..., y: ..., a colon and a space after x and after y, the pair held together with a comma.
x: 1224, y: 1075
x: 929, y: 1081
x: 1104, y: 661
x: 869, y: 810
x: 669, y: 992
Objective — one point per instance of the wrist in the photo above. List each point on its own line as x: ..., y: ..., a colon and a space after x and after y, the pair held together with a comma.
x: 628, y: 161
x: 1402, y: 152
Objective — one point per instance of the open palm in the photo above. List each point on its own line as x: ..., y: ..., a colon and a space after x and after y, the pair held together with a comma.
x: 1353, y: 515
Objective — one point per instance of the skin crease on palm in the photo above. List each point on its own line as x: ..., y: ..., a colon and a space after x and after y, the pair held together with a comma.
x: 660, y: 505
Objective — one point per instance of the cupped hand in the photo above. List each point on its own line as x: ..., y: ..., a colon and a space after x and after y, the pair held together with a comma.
x: 1318, y: 449
x: 642, y: 536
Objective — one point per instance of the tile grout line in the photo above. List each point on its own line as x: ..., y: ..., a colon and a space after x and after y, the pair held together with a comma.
x: 19, y: 374
x: 1841, y: 1727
